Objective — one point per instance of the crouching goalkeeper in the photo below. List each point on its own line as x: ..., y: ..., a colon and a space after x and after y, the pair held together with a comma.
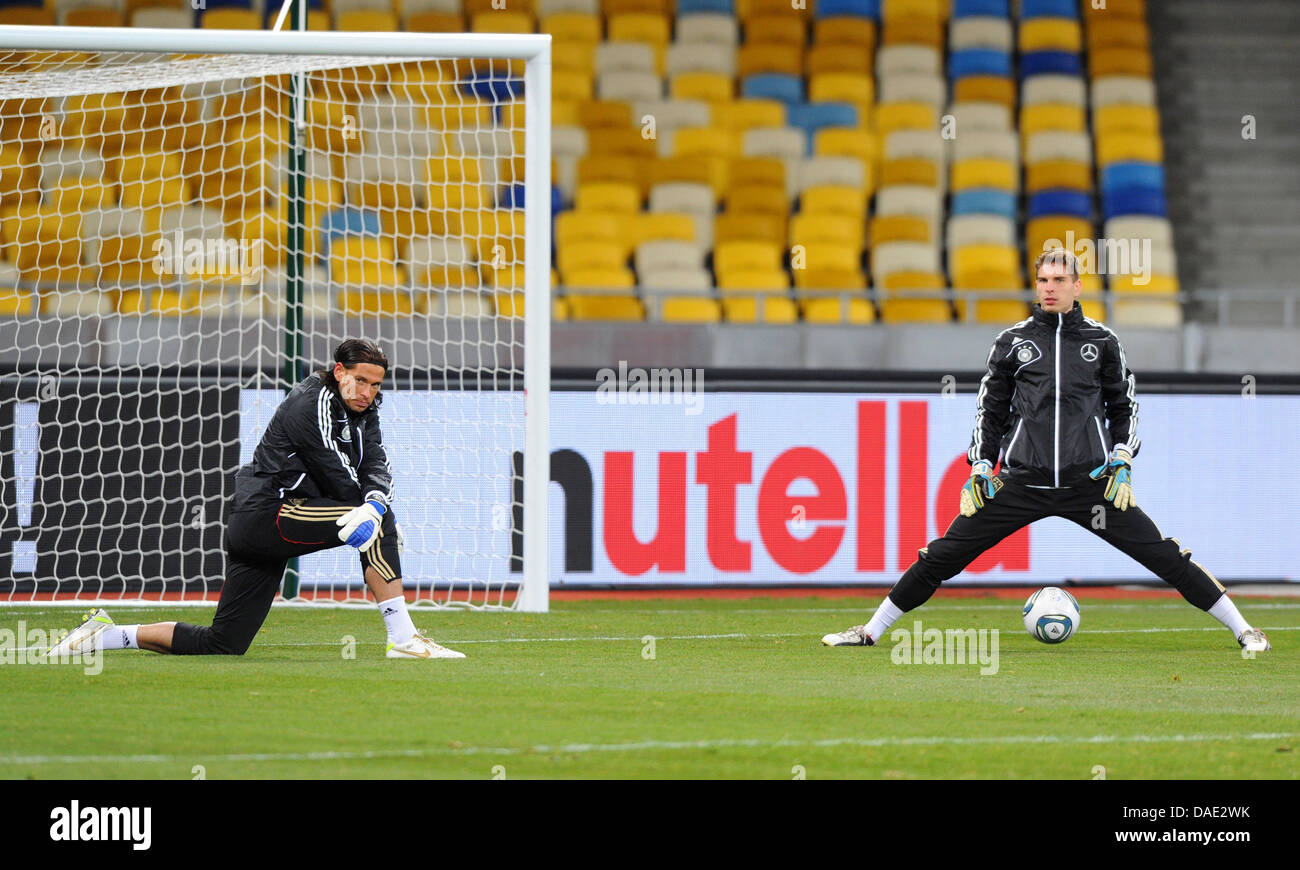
x: 319, y: 479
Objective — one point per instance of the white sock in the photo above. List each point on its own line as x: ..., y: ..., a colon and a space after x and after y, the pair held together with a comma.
x: 886, y: 615
x: 1226, y: 612
x: 396, y: 620
x: 118, y: 637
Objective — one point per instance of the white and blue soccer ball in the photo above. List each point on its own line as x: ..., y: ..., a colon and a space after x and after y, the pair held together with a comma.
x: 1051, y: 615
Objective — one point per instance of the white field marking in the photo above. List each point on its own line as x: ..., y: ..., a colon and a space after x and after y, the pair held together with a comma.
x: 651, y: 745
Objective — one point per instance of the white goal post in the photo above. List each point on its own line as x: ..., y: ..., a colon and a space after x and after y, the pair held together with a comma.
x: 191, y: 220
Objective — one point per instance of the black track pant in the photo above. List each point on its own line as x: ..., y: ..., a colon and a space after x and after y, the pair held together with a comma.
x: 259, y: 545
x: 1015, y: 506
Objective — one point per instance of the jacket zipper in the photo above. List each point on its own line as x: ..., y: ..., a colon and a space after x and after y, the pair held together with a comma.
x: 1056, y: 428
x: 1101, y: 440
x: 1006, y: 460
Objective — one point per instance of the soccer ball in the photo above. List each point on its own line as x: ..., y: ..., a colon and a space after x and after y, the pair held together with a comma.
x: 1051, y: 615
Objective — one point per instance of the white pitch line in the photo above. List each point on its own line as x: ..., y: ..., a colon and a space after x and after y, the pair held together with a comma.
x: 647, y: 745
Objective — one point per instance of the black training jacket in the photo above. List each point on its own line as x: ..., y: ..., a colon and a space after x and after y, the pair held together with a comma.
x: 316, y: 447
x: 1057, y: 396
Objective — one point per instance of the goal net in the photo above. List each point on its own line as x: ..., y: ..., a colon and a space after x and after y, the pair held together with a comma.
x: 191, y: 222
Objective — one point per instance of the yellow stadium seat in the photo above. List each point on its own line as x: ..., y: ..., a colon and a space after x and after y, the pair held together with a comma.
x: 913, y: 30
x: 769, y: 57
x: 707, y: 142
x: 609, y: 168
x: 500, y: 21
x: 838, y: 58
x: 436, y: 22
x: 766, y: 308
x: 582, y: 256
x: 1039, y: 231
x: 16, y: 303
x: 743, y: 171
x: 900, y: 309
x: 985, y: 172
x: 1152, y: 284
x: 745, y: 114
x: 665, y: 226
x: 1006, y: 308
x: 575, y: 227
x: 81, y: 195
x: 626, y: 142
x: 890, y: 117
x: 639, y: 27
x: 386, y: 301
x: 752, y: 226
x: 474, y: 6
x: 1122, y: 146
x: 1051, y: 116
x: 1144, y: 120
x: 1051, y: 34
x: 142, y: 192
x: 27, y: 16
x: 574, y: 56
x: 899, y: 228
x: 914, y: 8
x: 909, y: 170
x: 622, y: 7
x: 854, y: 88
x: 570, y: 85
x: 574, y: 26
x: 366, y: 20
x: 749, y: 9
x: 1117, y: 32
x: 972, y: 261
x: 760, y: 198
x: 1120, y: 62
x: 844, y: 142
x: 605, y: 115
x: 364, y: 261
x: 829, y: 279
x: 690, y: 309
x: 1093, y: 306
x: 709, y: 87
x: 682, y: 169
x: 1115, y: 9
x: 605, y: 307
x: 1046, y: 174
x: 735, y: 257
x: 608, y: 196
x: 94, y: 17
x: 986, y: 89
x: 806, y: 229
x: 834, y: 199
x: 844, y: 30
x: 820, y: 257
x: 232, y: 19
x: 832, y: 309
x: 775, y: 29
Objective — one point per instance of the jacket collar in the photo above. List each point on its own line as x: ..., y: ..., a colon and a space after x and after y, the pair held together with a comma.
x: 1073, y: 319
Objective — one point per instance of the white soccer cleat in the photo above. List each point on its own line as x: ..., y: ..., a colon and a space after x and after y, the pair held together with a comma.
x: 82, y: 637
x: 1253, y: 640
x: 855, y: 636
x: 420, y: 647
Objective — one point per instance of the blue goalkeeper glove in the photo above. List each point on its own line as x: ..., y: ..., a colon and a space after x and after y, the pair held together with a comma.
x: 361, y: 525
x: 1118, y: 471
x: 982, y: 485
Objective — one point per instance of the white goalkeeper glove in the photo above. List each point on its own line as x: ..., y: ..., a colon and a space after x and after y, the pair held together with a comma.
x: 361, y: 525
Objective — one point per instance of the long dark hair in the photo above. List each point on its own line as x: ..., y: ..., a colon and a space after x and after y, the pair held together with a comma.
x: 351, y: 352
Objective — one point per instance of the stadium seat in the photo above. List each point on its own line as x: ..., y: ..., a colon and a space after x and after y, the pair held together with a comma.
x: 848, y: 8
x: 1067, y: 90
x: 690, y: 8
x: 1134, y: 201
x: 980, y: 117
x: 980, y: 31
x: 785, y: 143
x: 608, y: 196
x: 707, y: 87
x: 899, y: 228
x: 688, y: 309
x: 979, y: 62
x: 687, y: 57
x: 773, y: 86
x: 969, y: 8
x: 844, y: 30
x: 983, y: 88
x: 605, y: 307
x: 986, y: 144
x: 811, y: 117
x: 930, y: 305
x: 1129, y: 147
x: 1058, y: 146
x: 626, y: 57
x: 574, y: 26
x: 1125, y: 175
x: 731, y: 257
x: 807, y: 229
x: 908, y: 59
x: 1123, y: 90
x: 842, y: 309
x: 979, y: 229
x: 985, y: 173
x: 838, y: 57
x: 985, y: 201
x: 1050, y: 34
x: 687, y: 280
x: 1059, y: 202
x: 1067, y: 174
x: 1119, y: 62
x: 764, y: 308
x: 712, y: 28
x: 1045, y: 117
x: 766, y: 227
x: 910, y: 170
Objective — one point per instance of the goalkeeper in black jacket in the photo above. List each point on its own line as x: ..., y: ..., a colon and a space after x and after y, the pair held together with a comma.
x: 319, y: 479
x: 1052, y: 379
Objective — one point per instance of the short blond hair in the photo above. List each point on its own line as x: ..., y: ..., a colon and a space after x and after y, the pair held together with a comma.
x: 1058, y: 256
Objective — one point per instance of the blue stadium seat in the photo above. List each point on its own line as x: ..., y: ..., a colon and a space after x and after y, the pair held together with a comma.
x: 969, y: 8
x: 235, y: 4
x: 512, y: 196
x: 1125, y: 176
x: 848, y: 8
x: 1049, y: 9
x: 979, y: 62
x: 1060, y: 202
x: 984, y: 200
x: 811, y: 117
x: 1135, y: 200
x: 722, y: 7
x: 494, y: 87
x: 348, y: 222
x: 1034, y: 63
x: 773, y: 86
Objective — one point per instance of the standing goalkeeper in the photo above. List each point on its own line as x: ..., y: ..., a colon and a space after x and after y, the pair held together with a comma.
x: 319, y: 479
x: 1052, y: 379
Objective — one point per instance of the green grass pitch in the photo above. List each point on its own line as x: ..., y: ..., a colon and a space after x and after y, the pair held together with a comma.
x: 727, y: 688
